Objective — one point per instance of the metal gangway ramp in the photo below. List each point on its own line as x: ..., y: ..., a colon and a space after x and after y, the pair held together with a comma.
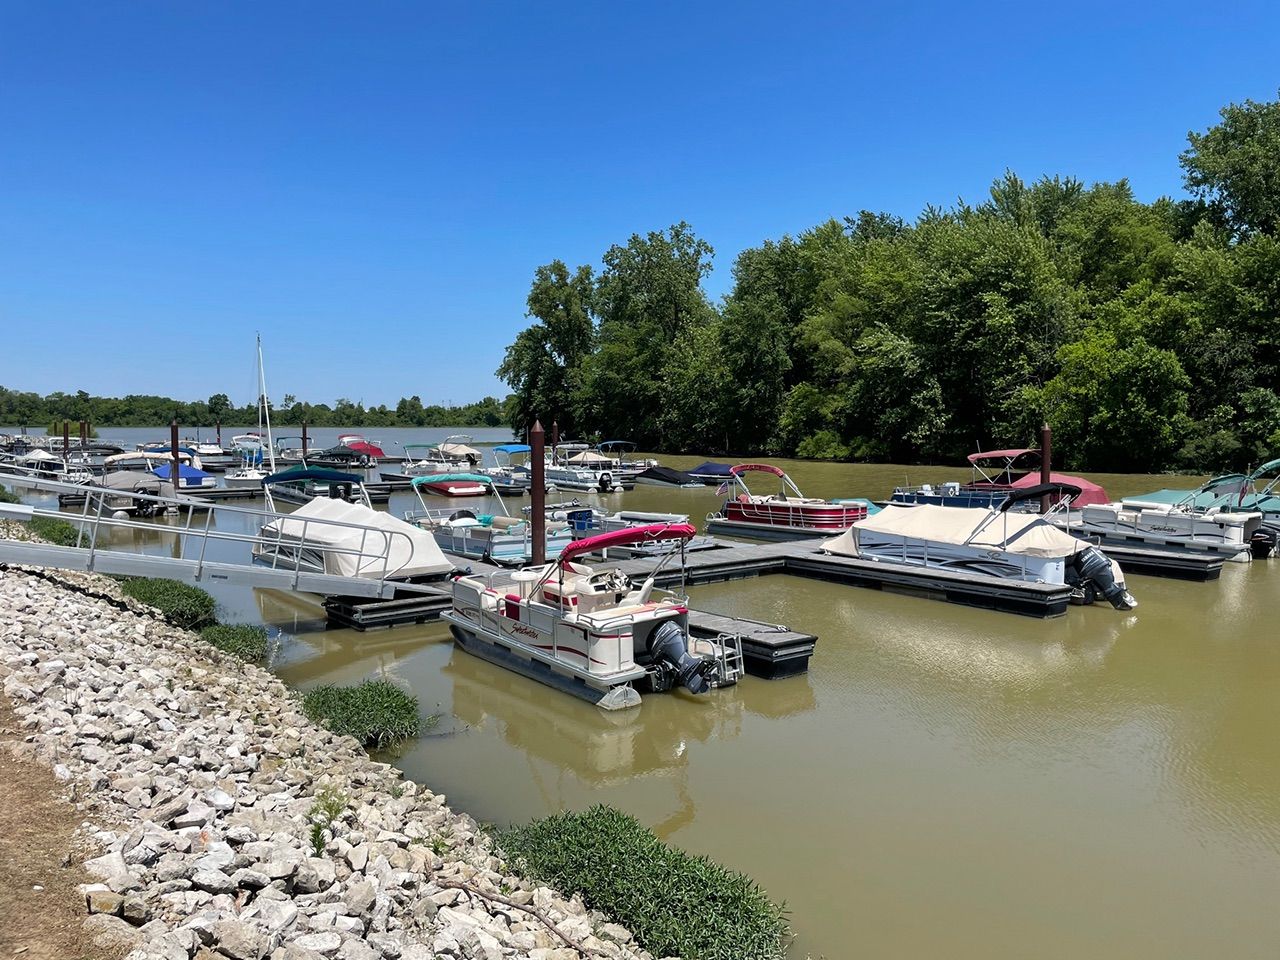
x: 100, y: 519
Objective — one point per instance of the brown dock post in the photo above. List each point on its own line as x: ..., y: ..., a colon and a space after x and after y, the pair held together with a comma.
x: 173, y: 450
x: 84, y: 434
x: 66, y: 440
x: 1046, y: 467
x: 219, y: 426
x: 304, y: 439
x: 538, y: 492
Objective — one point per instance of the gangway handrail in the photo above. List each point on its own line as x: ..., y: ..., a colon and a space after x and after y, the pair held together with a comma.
x: 91, y: 520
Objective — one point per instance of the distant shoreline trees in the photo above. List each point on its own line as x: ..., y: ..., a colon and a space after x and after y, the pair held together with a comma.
x: 32, y: 409
x: 1146, y: 334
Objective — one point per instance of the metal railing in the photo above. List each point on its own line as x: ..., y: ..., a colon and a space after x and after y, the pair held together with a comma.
x: 276, y: 544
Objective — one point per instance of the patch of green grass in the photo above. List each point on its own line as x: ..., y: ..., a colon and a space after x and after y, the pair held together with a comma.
x: 55, y: 531
x: 7, y: 496
x: 375, y: 712
x: 243, y: 640
x: 182, y: 605
x: 673, y: 903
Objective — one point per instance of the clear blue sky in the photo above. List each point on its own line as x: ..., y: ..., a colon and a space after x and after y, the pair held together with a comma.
x: 371, y: 185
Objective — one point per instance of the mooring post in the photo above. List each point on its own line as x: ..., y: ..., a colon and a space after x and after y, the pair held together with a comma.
x: 555, y: 434
x: 173, y: 450
x: 219, y: 425
x: 84, y: 434
x: 66, y: 440
x: 1046, y: 467
x: 538, y: 492
x: 304, y: 440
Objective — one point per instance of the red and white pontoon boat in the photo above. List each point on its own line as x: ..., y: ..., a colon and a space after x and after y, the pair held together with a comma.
x: 592, y: 632
x: 786, y: 515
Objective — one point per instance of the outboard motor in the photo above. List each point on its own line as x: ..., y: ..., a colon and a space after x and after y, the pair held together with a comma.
x: 1263, y: 543
x: 606, y: 482
x: 1094, y: 565
x: 668, y: 644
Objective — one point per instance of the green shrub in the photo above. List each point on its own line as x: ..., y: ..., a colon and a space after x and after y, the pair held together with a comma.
x: 375, y: 712
x: 674, y: 904
x: 182, y: 605
x: 242, y: 640
x: 55, y: 531
x: 8, y: 496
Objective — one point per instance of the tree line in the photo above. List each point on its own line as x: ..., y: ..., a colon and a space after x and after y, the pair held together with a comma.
x: 1146, y: 334
x: 17, y: 409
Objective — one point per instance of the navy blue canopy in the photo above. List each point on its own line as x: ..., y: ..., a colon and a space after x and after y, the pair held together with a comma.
x: 185, y: 472
x: 311, y: 473
x: 710, y: 469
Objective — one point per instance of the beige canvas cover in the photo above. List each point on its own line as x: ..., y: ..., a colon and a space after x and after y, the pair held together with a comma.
x: 363, y: 548
x: 589, y: 457
x: 1024, y: 534
x: 460, y: 450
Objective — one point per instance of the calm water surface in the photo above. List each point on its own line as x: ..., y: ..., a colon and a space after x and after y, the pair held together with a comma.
x: 944, y: 781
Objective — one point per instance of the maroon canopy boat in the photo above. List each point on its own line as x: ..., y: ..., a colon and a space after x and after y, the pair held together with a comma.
x: 785, y: 515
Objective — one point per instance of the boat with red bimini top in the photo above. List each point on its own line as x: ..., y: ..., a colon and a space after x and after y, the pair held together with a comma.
x: 785, y: 515
x: 592, y: 632
x: 997, y: 474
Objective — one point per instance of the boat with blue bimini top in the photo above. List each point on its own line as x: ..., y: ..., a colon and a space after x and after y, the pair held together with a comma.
x: 996, y: 474
x: 592, y: 632
x: 1001, y: 544
x: 495, y: 538
x: 302, y: 484
x: 190, y: 479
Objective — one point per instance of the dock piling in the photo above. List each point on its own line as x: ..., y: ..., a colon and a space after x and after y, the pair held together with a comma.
x: 1046, y: 467
x: 538, y: 493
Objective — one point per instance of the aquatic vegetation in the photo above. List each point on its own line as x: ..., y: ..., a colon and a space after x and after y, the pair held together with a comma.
x: 243, y: 640
x: 375, y: 712
x: 182, y: 604
x: 674, y: 904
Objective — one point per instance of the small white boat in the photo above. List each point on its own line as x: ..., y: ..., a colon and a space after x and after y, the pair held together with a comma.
x: 496, y: 538
x: 592, y: 632
x: 1004, y: 544
x: 575, y: 466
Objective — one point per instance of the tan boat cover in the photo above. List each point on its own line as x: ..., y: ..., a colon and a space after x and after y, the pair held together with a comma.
x: 413, y: 555
x: 1024, y: 534
x: 589, y: 457
x: 460, y: 450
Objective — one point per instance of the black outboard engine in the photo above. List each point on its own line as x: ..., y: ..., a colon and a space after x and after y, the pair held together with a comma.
x: 668, y: 644
x: 606, y: 482
x: 1263, y: 543
x: 1094, y: 565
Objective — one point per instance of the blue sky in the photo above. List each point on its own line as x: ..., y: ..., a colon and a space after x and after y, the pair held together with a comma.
x: 371, y: 185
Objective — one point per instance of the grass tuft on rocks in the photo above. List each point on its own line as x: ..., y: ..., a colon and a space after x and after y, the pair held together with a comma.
x: 243, y: 640
x: 58, y: 532
x: 182, y: 604
x: 375, y: 712
x: 8, y: 496
x: 674, y: 904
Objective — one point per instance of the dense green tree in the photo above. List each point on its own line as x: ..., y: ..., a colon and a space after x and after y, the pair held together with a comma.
x: 1235, y: 167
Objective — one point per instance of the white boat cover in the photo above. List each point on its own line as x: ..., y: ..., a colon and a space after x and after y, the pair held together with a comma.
x: 1025, y: 534
x: 37, y: 456
x: 415, y: 554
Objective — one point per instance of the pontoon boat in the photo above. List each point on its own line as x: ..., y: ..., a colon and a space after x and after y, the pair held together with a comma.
x: 785, y: 515
x: 589, y: 632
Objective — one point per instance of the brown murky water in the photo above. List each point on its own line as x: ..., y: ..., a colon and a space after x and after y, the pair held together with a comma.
x: 944, y: 781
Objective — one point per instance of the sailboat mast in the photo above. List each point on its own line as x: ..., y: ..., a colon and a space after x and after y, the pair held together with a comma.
x: 266, y: 406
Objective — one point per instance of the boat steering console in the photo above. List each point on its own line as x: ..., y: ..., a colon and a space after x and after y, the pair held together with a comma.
x: 608, y: 582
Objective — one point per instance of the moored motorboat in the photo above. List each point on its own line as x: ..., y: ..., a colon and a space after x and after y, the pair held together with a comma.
x: 454, y: 484
x: 659, y: 476
x: 996, y: 474
x: 786, y: 515
x: 497, y: 538
x: 575, y: 466
x: 190, y: 479
x: 592, y: 632
x: 1003, y: 544
x: 712, y: 474
x: 1232, y: 494
x: 370, y: 449
x: 302, y: 484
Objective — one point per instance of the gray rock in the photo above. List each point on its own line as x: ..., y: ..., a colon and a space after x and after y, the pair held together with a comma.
x: 239, y: 940
x: 104, y: 901
x: 326, y: 944
x: 360, y: 896
x: 213, y: 881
